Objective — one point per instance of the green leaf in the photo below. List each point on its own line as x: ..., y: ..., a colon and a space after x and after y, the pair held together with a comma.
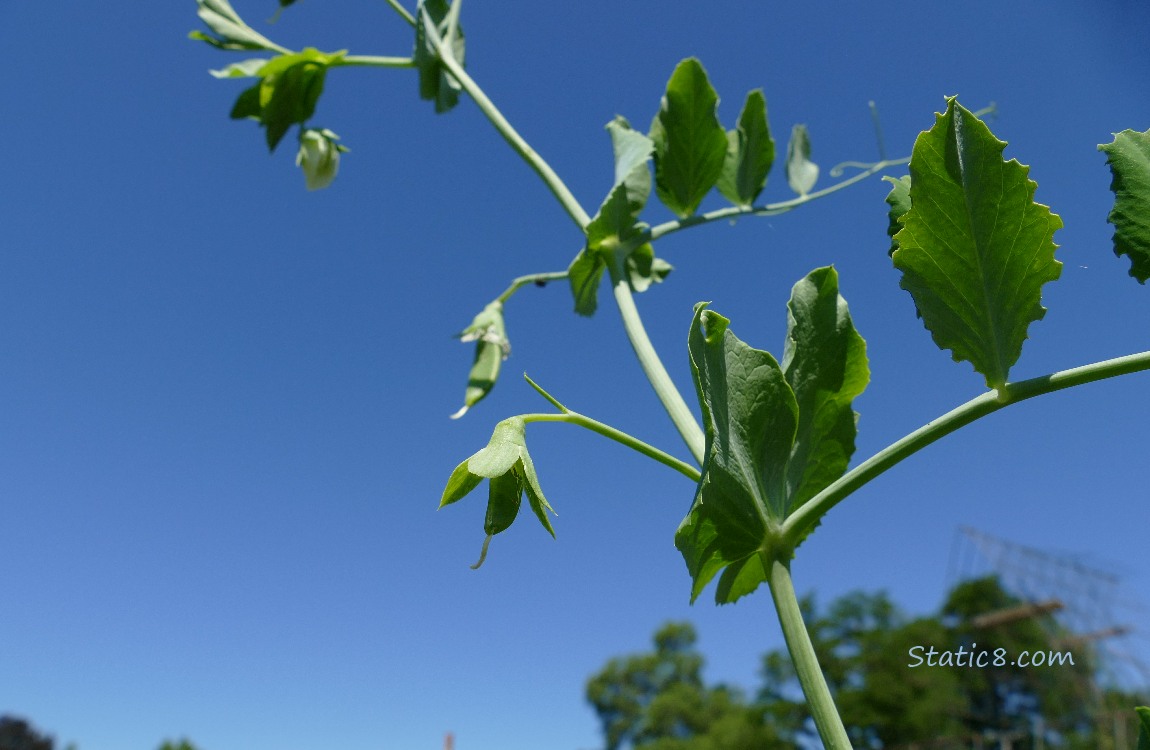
x: 1143, y: 727
x: 899, y: 201
x: 245, y: 69
x: 247, y: 104
x: 802, y: 173
x: 750, y: 153
x: 584, y: 275
x: 775, y: 434
x: 690, y: 144
x: 492, y: 347
x: 617, y: 216
x: 290, y: 86
x: 825, y: 363
x: 1129, y: 160
x: 233, y: 33
x: 644, y: 269
x: 974, y: 248
x: 435, y: 83
x: 507, y: 465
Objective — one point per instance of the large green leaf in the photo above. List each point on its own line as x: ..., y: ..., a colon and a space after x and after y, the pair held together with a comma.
x: 507, y: 465
x: 750, y: 153
x: 690, y: 144
x: 1129, y: 159
x: 974, y: 248
x: 775, y: 434
x: 899, y: 201
x: 435, y: 83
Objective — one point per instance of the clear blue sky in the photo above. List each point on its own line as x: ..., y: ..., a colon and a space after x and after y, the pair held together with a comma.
x: 224, y: 400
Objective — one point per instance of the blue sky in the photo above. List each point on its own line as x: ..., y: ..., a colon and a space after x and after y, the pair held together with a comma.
x: 224, y: 399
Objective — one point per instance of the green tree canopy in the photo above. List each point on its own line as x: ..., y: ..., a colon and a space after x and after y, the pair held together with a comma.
x: 659, y: 701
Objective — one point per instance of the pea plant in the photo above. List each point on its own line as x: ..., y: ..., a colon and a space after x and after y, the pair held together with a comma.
x: 772, y: 453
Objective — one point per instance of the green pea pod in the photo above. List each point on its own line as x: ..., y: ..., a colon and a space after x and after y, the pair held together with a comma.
x: 492, y: 347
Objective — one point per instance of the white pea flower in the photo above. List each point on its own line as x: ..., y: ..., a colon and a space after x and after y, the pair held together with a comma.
x: 319, y: 157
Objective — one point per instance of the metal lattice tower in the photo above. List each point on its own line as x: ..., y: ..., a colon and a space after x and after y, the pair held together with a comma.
x: 1093, y: 609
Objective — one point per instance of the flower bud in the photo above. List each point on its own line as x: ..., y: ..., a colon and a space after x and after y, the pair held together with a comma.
x: 318, y: 157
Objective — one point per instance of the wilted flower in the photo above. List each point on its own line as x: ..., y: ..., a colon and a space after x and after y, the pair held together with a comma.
x: 319, y: 157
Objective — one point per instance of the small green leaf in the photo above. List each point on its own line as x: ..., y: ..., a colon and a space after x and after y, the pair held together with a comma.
x: 244, y: 69
x: 617, y: 216
x: 1129, y: 159
x: 1143, y: 727
x: 233, y: 33
x: 247, y: 104
x: 776, y: 434
x: 899, y: 201
x: 802, y: 173
x: 290, y: 86
x: 492, y: 347
x: 750, y: 153
x: 435, y: 83
x: 644, y: 269
x: 974, y: 248
x: 507, y: 464
x: 690, y: 144
x: 584, y: 275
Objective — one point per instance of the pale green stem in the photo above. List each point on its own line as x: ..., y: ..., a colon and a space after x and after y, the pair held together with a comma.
x: 402, y: 11
x: 534, y: 278
x: 677, y: 409
x: 618, y: 436
x: 814, y: 684
x: 374, y: 61
x: 649, y: 360
x: 516, y: 141
x: 769, y: 209
x: 800, y: 522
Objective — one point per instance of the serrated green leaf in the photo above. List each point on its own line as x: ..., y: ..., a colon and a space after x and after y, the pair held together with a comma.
x: 584, y: 275
x: 776, y: 434
x: 435, y: 83
x: 750, y: 153
x: 507, y: 464
x: 802, y: 173
x: 899, y: 201
x: 974, y: 248
x: 492, y: 346
x: 1143, y: 727
x: 1129, y: 159
x: 690, y: 144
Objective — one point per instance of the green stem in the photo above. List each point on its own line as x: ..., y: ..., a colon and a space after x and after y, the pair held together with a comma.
x: 618, y: 436
x: 802, y: 520
x: 516, y: 141
x: 814, y: 684
x: 533, y: 278
x: 672, y: 400
x: 402, y: 11
x: 374, y: 61
x: 768, y: 209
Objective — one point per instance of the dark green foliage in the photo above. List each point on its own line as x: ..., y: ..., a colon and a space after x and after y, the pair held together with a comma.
x: 659, y: 701
x: 18, y: 734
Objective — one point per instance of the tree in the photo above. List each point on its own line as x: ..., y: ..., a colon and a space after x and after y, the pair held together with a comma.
x: 657, y: 701
x: 890, y: 691
x: 18, y: 734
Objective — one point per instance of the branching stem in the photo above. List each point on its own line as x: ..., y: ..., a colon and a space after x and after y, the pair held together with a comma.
x: 533, y: 278
x: 799, y: 523
x: 618, y: 436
